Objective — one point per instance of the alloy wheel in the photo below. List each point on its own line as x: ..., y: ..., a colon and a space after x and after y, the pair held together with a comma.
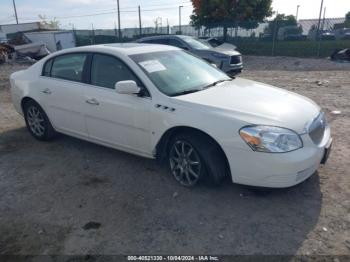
x: 185, y: 163
x: 36, y: 121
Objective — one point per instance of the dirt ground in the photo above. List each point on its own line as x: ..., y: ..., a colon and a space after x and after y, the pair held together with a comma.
x: 50, y: 191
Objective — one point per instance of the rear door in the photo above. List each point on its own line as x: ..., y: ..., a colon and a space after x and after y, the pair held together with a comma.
x: 62, y: 92
x: 116, y: 119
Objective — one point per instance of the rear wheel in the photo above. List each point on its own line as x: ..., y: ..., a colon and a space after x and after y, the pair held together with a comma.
x: 37, y: 122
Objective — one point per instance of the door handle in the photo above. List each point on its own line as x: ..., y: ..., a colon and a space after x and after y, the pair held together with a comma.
x: 46, y: 91
x: 92, y: 101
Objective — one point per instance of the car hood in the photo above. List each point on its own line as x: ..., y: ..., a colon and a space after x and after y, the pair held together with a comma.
x: 254, y: 103
x: 226, y: 49
x: 225, y: 46
x: 223, y: 50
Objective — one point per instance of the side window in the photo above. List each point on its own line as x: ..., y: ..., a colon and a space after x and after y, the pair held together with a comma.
x: 176, y: 43
x: 69, y: 67
x: 148, y: 41
x: 107, y: 70
x: 161, y: 41
x: 47, y: 68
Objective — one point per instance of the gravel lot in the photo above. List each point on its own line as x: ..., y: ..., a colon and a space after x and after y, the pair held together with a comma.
x: 49, y: 191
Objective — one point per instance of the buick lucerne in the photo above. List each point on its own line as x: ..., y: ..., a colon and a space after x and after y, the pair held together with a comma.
x: 161, y: 102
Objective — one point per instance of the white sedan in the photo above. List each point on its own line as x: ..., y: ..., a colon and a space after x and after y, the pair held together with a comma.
x: 160, y: 102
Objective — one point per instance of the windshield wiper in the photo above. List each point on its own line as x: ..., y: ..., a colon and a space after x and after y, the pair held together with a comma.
x: 185, y: 92
x: 217, y: 82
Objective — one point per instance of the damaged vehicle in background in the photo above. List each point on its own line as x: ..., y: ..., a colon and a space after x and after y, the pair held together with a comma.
x: 163, y: 103
x: 223, y: 57
x: 341, y: 55
x: 214, y: 42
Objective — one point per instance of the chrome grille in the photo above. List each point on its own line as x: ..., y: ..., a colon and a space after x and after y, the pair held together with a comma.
x: 237, y: 59
x: 317, y: 128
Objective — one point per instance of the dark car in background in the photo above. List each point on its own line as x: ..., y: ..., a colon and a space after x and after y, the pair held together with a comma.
x: 327, y: 35
x: 224, y: 57
x: 212, y: 41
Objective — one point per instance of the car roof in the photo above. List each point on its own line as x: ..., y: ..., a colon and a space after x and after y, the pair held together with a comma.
x: 123, y: 48
x: 164, y: 36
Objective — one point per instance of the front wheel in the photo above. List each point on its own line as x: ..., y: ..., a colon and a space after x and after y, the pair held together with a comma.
x: 185, y: 163
x: 194, y: 157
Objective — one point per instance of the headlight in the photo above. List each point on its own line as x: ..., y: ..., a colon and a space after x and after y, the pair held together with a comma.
x: 271, y: 139
x: 220, y: 56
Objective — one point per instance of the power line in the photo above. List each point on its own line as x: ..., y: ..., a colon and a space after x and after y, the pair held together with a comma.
x: 156, y: 5
x: 112, y: 11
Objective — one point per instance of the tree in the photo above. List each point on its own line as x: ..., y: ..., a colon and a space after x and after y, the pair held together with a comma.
x: 49, y: 24
x: 347, y: 19
x: 230, y: 13
x: 281, y: 20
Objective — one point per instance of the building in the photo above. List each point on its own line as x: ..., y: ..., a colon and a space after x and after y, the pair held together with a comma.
x: 23, y: 27
x: 54, y: 40
x: 326, y: 24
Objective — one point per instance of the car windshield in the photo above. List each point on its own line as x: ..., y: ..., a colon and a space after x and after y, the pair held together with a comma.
x: 194, y: 43
x: 177, y: 72
x: 213, y: 42
x: 205, y: 42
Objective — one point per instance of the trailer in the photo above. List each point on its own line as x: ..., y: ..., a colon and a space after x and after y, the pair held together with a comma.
x: 54, y: 40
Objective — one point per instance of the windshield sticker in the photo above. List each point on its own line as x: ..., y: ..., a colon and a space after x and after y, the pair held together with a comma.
x: 152, y: 66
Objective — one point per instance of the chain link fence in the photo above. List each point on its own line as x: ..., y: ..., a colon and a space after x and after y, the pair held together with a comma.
x: 268, y: 39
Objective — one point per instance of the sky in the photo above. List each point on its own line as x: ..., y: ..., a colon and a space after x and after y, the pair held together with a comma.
x: 68, y: 11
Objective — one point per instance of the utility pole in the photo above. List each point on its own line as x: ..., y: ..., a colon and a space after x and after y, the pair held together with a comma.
x: 319, y: 19
x: 324, y: 18
x: 14, y: 7
x: 119, y: 31
x: 115, y: 32
x: 296, y: 17
x: 140, y: 24
x: 180, y: 19
x: 161, y: 25
x: 93, y: 34
x: 275, y: 32
x: 318, y: 30
x: 167, y: 26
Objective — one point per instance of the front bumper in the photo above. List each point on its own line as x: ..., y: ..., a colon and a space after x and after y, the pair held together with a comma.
x: 277, y: 169
x: 232, y: 68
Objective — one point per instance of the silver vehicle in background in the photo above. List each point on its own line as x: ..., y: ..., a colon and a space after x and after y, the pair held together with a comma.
x: 227, y: 59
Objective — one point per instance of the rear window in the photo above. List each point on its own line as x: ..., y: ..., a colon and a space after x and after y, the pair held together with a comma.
x: 69, y: 67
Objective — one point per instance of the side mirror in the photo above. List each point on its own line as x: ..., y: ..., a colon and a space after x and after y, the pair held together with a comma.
x: 128, y: 87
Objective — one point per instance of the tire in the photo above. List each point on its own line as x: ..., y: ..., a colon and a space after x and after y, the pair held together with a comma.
x: 37, y: 122
x: 193, y: 153
x: 234, y: 73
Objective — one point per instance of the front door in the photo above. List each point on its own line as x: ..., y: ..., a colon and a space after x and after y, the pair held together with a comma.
x: 116, y: 119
